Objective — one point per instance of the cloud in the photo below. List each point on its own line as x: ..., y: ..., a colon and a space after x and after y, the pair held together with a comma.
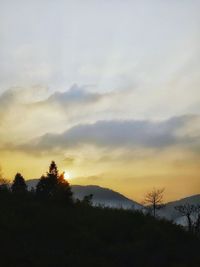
x: 117, y: 134
x: 37, y: 121
x: 17, y: 119
x: 29, y: 112
x: 69, y: 161
x: 76, y: 95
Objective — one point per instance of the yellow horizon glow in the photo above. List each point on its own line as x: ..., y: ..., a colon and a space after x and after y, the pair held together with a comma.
x: 131, y: 178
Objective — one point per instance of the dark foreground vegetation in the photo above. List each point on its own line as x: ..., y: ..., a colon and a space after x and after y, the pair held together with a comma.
x: 39, y: 230
x: 47, y: 234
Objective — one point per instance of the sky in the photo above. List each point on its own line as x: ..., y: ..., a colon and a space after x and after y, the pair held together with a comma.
x: 110, y: 90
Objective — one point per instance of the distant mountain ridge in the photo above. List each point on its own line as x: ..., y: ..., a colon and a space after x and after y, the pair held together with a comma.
x: 110, y: 198
x: 101, y: 196
x: 105, y: 197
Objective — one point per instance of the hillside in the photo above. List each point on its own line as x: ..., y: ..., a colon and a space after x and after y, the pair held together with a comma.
x: 46, y: 234
x: 105, y: 197
x: 170, y: 213
x: 109, y: 198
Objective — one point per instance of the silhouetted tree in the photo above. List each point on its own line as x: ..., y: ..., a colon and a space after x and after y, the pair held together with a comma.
x: 4, y: 187
x: 54, y: 186
x: 192, y: 213
x: 42, y: 187
x: 197, y: 219
x: 154, y: 200
x: 63, y: 189
x: 4, y: 183
x: 19, y: 186
x: 47, y: 185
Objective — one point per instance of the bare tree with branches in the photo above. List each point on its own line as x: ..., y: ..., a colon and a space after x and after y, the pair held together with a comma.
x: 187, y: 210
x: 154, y: 199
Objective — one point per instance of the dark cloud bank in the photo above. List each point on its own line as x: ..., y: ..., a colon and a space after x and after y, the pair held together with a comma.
x: 121, y: 134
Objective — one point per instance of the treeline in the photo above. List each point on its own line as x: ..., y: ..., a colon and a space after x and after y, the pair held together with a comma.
x: 51, y: 187
x: 54, y: 187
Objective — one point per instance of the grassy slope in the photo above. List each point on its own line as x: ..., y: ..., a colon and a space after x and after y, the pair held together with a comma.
x: 34, y: 234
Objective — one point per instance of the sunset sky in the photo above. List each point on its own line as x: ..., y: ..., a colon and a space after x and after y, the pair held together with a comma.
x: 108, y: 89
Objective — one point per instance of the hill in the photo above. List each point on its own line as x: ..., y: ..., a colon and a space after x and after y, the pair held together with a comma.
x: 101, y: 196
x: 105, y: 197
x: 110, y: 198
x: 47, y: 234
x: 170, y: 213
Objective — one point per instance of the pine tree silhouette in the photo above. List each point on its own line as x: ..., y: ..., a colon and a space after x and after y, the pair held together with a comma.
x: 54, y: 186
x: 19, y: 186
